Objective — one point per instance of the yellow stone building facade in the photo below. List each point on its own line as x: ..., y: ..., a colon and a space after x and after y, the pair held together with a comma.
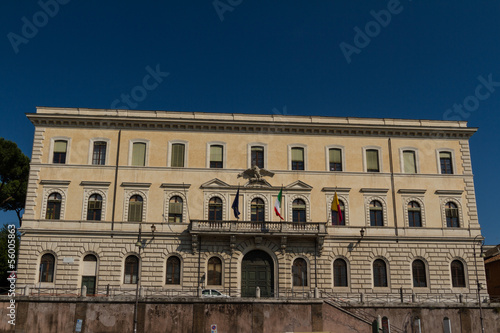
x: 408, y: 220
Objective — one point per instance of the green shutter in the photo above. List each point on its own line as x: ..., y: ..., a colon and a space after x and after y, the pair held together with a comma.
x: 135, y: 212
x: 372, y: 160
x: 175, y: 208
x: 60, y: 146
x: 177, y: 155
x: 216, y: 153
x: 139, y: 154
x: 335, y: 156
x: 298, y: 154
x: 409, y: 162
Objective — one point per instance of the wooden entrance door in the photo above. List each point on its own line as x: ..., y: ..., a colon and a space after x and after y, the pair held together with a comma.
x: 257, y: 271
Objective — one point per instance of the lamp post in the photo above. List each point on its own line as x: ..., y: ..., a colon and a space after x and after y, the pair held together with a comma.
x: 477, y: 278
x: 141, y: 243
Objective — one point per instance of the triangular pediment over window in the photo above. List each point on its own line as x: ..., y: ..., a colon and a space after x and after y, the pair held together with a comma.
x: 215, y: 183
x: 298, y: 185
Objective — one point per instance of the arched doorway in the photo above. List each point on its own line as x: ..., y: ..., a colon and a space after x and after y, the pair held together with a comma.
x: 257, y: 270
x: 89, y: 273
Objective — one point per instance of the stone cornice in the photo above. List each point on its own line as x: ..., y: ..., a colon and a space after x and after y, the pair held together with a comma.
x: 248, y: 123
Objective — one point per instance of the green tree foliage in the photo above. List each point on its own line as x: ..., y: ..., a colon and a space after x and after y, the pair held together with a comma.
x: 4, y: 255
x: 14, y: 172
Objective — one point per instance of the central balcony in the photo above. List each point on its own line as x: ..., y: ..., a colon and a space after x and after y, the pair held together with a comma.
x: 257, y: 228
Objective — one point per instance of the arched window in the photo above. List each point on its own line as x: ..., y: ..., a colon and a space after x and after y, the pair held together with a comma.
x: 131, y: 270
x: 299, y: 272
x: 215, y: 209
x: 419, y: 276
x: 457, y: 274
x: 257, y: 156
x: 298, y: 211
x: 414, y: 214
x: 94, y: 208
x: 385, y: 325
x: 376, y: 214
x: 257, y: 210
x: 451, y: 212
x: 47, y: 263
x: 379, y: 273
x: 54, y: 207
x: 173, y: 270
x: 135, y: 209
x: 175, y: 210
x: 336, y: 220
x: 214, y: 272
x: 339, y: 273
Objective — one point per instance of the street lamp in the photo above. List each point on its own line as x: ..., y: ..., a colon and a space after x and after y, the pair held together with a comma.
x: 141, y: 244
x: 478, y: 284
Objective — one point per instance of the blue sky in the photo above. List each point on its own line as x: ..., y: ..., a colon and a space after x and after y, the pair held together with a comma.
x: 412, y: 59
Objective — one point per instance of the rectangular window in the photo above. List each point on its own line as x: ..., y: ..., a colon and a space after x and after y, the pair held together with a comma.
x: 297, y: 158
x: 216, y: 156
x: 445, y: 160
x: 99, y: 154
x: 258, y: 157
x: 335, y: 159
x: 409, y: 161
x: 372, y: 163
x: 60, y: 148
x: 139, y: 154
x: 177, y: 155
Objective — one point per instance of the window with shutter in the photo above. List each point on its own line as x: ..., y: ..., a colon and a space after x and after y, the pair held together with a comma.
x: 216, y: 156
x: 139, y: 154
x: 60, y: 149
x: 135, y: 209
x: 335, y: 157
x: 297, y: 158
x: 409, y: 161
x: 177, y: 159
x: 372, y: 162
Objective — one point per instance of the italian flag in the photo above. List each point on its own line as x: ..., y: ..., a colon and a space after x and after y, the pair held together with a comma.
x: 336, y: 206
x: 277, y: 205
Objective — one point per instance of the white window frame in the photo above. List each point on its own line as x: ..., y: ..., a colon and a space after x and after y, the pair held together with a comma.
x: 51, y: 150
x: 402, y: 162
x: 169, y: 152
x: 327, y: 156
x: 344, y: 197
x: 47, y: 191
x: 130, y: 193
x: 383, y: 201
x: 420, y: 201
x: 457, y: 201
x: 297, y: 145
x: 224, y: 153
x: 453, y: 164
x: 249, y: 153
x: 168, y: 195
x: 91, y: 150
x: 380, y: 164
x: 131, y: 150
x: 87, y: 193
